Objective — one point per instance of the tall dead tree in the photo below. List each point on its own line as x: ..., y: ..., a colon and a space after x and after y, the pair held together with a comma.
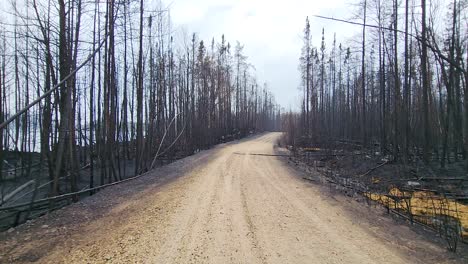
x: 425, y: 84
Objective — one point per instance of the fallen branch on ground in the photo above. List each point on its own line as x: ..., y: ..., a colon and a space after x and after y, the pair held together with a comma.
x: 17, y: 190
x: 373, y: 169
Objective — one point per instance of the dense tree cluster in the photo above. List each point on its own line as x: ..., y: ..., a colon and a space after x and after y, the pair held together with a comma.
x: 403, y: 88
x: 117, y: 90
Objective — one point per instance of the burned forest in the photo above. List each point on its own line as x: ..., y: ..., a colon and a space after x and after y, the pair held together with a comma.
x: 94, y: 93
x: 234, y: 131
x: 386, y: 113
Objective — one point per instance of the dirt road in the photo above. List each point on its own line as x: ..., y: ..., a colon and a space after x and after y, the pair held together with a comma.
x: 218, y: 206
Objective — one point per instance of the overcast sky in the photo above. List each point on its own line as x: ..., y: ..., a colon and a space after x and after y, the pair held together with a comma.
x: 270, y: 30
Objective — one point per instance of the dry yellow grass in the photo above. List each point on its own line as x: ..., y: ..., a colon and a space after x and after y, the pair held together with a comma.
x: 426, y: 206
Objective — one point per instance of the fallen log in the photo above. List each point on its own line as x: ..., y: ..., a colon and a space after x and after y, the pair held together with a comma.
x: 17, y: 190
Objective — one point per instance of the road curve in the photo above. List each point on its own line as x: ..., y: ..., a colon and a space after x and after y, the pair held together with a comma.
x: 218, y: 206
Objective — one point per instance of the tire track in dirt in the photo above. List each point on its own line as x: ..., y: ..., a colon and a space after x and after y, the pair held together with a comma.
x: 252, y: 235
x: 187, y: 234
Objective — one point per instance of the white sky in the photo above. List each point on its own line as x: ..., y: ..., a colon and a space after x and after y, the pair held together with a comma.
x: 270, y: 30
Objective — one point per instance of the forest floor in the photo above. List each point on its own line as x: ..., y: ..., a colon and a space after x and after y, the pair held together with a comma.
x: 223, y: 205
